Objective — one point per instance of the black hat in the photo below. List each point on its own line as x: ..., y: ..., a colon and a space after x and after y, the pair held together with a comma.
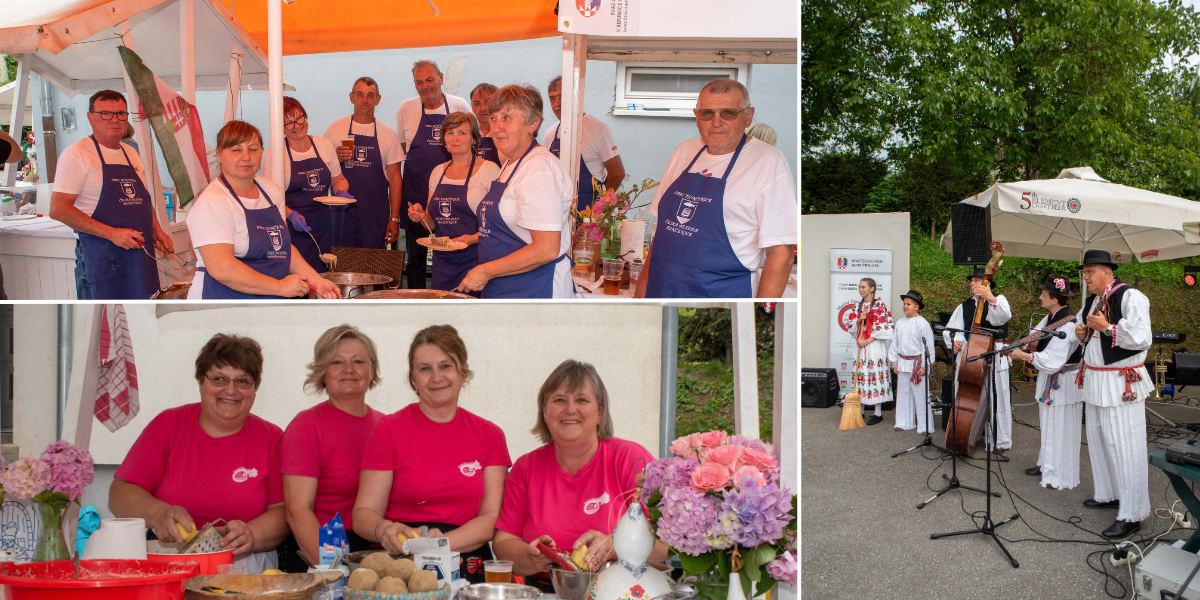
x: 1098, y: 257
x: 915, y: 296
x: 1057, y: 284
x: 982, y: 272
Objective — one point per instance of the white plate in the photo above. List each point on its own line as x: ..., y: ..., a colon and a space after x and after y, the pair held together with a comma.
x: 335, y: 200
x: 451, y: 245
x: 19, y: 217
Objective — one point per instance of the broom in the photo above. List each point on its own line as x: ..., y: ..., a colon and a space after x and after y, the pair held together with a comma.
x: 851, y: 417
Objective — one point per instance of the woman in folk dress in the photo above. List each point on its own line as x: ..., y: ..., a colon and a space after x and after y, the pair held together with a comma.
x: 872, y: 327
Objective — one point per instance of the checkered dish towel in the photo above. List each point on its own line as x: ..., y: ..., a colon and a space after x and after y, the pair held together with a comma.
x: 117, y: 388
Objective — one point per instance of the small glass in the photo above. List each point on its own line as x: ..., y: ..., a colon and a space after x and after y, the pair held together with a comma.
x: 612, y: 275
x: 348, y: 141
x: 583, y: 263
x: 231, y: 569
x: 497, y: 571
x: 635, y: 274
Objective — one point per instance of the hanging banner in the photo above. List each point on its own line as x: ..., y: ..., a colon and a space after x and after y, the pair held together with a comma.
x: 600, y: 17
x: 848, y: 266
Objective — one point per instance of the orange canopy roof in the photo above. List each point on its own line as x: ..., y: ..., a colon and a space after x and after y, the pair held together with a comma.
x: 316, y: 26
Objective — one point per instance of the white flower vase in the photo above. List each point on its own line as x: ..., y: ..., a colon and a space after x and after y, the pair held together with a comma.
x: 631, y: 577
x: 735, y: 587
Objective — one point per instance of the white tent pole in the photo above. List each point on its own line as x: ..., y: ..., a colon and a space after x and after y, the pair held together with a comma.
x: 85, y: 376
x: 17, y: 119
x: 275, y: 86
x: 574, y: 71
x: 235, y: 82
x: 786, y: 419
x: 187, y: 51
x: 745, y: 371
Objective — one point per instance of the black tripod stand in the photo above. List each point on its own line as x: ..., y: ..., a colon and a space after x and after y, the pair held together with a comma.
x: 988, y: 528
x: 928, y: 441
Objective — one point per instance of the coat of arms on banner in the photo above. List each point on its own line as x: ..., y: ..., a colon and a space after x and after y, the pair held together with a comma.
x: 587, y: 8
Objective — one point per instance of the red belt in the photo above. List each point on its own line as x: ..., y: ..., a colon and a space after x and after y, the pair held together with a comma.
x: 1130, y: 374
x: 918, y: 364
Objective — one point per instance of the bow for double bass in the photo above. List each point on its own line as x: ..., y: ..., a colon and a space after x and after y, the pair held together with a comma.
x: 963, y: 431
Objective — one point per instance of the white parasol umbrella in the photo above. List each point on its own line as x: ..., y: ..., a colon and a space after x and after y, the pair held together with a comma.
x: 1078, y: 211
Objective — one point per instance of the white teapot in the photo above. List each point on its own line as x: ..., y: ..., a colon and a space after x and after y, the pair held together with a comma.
x: 631, y: 577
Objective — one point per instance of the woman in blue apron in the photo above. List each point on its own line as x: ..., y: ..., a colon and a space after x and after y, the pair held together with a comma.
x: 487, y: 146
x: 275, y: 269
x: 425, y: 152
x: 509, y: 266
x: 452, y: 206
x: 310, y: 178
x: 114, y: 273
x: 691, y: 256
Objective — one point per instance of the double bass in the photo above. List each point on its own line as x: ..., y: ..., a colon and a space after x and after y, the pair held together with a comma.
x: 964, y: 430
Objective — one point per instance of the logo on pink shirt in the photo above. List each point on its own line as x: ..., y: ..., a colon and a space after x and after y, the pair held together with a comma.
x: 591, y: 506
x: 470, y: 468
x: 242, y: 474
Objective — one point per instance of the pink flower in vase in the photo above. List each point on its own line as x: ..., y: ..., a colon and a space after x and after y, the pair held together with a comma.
x: 680, y: 447
x: 726, y: 456
x: 711, y: 476
x: 712, y: 439
x: 746, y: 475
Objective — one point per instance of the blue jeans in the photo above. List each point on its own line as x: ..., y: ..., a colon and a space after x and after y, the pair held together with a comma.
x: 82, y: 290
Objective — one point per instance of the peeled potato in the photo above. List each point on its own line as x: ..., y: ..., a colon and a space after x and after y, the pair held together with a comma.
x: 401, y: 568
x: 403, y: 538
x: 185, y: 534
x: 578, y: 556
x: 422, y: 581
x: 391, y: 585
x: 363, y: 579
x: 273, y: 572
x: 378, y: 562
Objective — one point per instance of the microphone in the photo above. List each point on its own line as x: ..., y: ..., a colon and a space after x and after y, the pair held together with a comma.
x: 1058, y: 334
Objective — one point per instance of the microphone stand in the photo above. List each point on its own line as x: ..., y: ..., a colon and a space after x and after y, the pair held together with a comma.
x: 989, y: 527
x: 928, y: 441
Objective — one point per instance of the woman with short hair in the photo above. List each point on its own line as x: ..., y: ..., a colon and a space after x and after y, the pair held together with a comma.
x: 237, y: 226
x: 211, y: 462
x: 524, y: 218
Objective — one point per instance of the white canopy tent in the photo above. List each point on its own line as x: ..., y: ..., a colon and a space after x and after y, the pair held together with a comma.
x: 1062, y: 218
x: 8, y: 92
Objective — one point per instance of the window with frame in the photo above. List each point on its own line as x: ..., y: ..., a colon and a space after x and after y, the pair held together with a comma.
x: 668, y: 89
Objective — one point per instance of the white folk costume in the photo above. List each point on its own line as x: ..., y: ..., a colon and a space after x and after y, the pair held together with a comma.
x: 1115, y: 386
x: 910, y: 351
x: 995, y: 316
x: 1060, y: 411
x: 873, y: 376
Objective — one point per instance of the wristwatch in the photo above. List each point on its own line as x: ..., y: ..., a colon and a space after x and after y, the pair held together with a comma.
x: 395, y: 219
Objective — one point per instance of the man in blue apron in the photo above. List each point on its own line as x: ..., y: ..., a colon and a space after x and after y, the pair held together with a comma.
x: 100, y: 192
x: 726, y: 207
x: 419, y: 122
x: 487, y: 146
x: 372, y: 167
x: 598, y: 148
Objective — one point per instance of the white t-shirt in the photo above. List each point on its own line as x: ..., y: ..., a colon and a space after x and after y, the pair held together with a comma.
x: 760, y: 195
x: 481, y: 181
x: 408, y: 116
x: 598, y: 144
x: 539, y: 197
x: 323, y: 148
x: 216, y: 218
x: 79, y: 171
x: 389, y: 144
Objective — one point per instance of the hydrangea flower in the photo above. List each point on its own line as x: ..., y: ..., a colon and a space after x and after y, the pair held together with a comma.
x: 784, y: 568
x: 71, y: 468
x: 26, y: 478
x: 654, y: 478
x: 762, y: 512
x: 686, y: 517
x: 720, y: 535
x: 678, y: 472
x: 758, y: 445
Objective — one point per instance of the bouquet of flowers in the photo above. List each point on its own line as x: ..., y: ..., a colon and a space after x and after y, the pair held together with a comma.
x: 57, y: 477
x: 719, y: 506
x: 602, y: 220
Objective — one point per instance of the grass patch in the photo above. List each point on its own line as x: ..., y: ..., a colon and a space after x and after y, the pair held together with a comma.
x: 704, y: 397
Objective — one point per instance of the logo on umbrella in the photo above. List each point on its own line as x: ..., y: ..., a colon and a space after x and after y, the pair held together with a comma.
x: 843, y: 262
x: 127, y: 187
x: 314, y: 179
x: 276, y: 239
x: 587, y: 8
x: 1149, y: 253
x: 1073, y: 205
x: 360, y: 154
x: 686, y: 210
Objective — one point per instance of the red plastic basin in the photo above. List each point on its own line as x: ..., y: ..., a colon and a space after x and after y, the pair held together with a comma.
x: 99, y: 580
x: 208, y: 561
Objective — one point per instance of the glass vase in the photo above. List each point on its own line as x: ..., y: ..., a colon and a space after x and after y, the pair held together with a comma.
x: 52, y: 544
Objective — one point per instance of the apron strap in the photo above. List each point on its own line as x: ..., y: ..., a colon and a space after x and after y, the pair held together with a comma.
x: 98, y: 152
x: 238, y: 198
x: 736, y: 153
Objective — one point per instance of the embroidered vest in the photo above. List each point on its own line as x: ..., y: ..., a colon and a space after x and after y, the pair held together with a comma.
x: 1113, y: 309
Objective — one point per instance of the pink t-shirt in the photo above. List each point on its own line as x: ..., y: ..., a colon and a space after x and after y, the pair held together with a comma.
x: 540, y: 498
x: 235, y: 477
x: 437, y: 468
x: 327, y: 443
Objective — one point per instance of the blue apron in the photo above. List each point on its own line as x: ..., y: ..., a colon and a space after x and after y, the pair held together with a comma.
x: 310, y: 178
x: 496, y: 241
x: 487, y: 150
x: 269, y: 253
x: 366, y: 220
x: 587, y: 194
x: 114, y: 273
x: 691, y: 255
x: 454, y: 217
x: 424, y: 153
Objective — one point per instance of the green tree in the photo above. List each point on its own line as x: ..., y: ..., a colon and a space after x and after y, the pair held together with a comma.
x: 839, y: 182
x: 1028, y: 87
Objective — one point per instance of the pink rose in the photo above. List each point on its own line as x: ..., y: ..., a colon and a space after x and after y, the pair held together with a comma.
x: 759, y: 460
x: 709, y: 477
x: 680, y: 447
x: 713, y: 439
x: 726, y: 456
x: 696, y: 440
x: 755, y: 474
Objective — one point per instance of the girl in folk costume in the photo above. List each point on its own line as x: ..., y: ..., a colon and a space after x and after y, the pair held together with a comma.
x: 1059, y: 408
x: 910, y: 354
x: 871, y: 328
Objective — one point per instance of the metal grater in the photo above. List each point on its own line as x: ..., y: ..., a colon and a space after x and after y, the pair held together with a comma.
x: 206, y: 540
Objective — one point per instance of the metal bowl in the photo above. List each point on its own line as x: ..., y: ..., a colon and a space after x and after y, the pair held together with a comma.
x: 415, y: 295
x: 499, y: 591
x: 353, y: 285
x: 571, y: 585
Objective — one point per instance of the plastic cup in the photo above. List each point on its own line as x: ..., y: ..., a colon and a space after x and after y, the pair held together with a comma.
x: 497, y: 571
x: 635, y: 274
x: 612, y: 275
x: 231, y: 569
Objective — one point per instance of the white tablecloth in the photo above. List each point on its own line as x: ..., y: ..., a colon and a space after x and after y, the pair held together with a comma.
x: 36, y: 227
